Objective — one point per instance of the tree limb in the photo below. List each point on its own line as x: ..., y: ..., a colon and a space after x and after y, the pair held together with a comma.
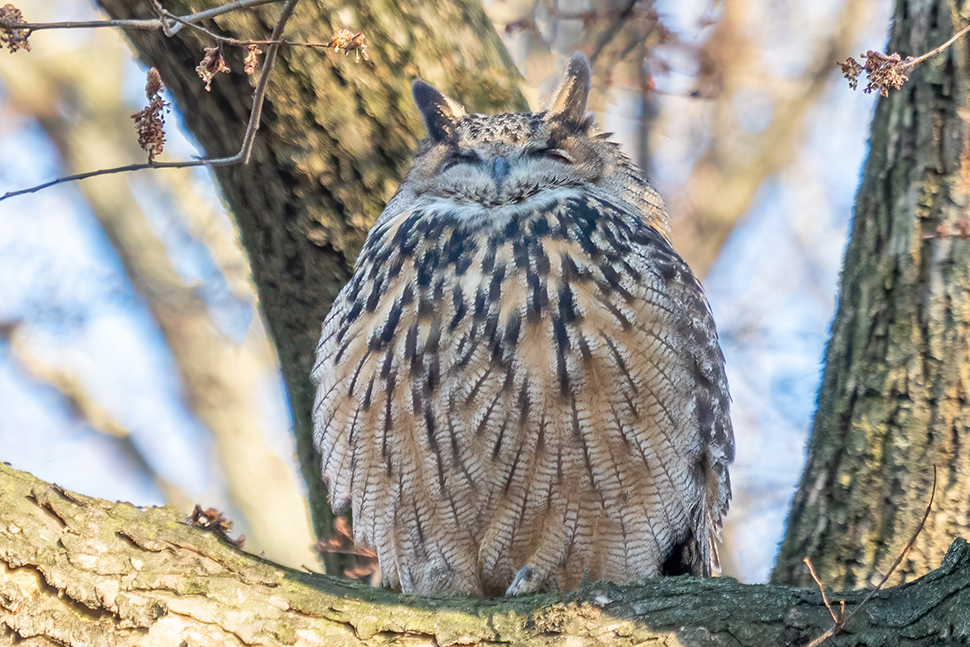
x: 82, y: 571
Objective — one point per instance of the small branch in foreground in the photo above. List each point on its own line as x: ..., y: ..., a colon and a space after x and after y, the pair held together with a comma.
x: 225, y: 161
x: 260, y: 93
x: 11, y: 22
x: 841, y: 619
x: 149, y: 123
x: 242, y: 157
x: 884, y: 71
x: 838, y: 619
x: 905, y: 551
x: 912, y: 62
x: 7, y: 22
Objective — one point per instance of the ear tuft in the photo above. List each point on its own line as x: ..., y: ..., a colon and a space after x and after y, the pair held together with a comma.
x: 568, y: 100
x: 440, y: 112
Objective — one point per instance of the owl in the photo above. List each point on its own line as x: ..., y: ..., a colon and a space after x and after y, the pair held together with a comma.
x: 521, y: 385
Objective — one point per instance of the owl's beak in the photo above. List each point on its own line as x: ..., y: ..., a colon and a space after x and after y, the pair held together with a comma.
x: 500, y: 169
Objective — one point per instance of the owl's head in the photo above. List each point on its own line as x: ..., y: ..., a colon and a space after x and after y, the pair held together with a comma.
x: 490, y: 167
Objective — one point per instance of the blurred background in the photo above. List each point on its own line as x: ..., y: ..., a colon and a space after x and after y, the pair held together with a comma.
x: 127, y: 314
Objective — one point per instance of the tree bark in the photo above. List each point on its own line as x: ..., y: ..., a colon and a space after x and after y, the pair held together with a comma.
x: 80, y: 571
x: 336, y: 138
x: 895, y: 397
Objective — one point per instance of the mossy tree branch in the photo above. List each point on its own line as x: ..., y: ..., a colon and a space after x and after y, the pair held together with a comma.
x: 80, y: 571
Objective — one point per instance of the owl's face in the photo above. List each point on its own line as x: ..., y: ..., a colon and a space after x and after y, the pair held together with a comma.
x: 487, y: 168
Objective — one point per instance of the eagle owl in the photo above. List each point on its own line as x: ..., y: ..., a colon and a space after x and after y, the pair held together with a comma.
x: 521, y: 385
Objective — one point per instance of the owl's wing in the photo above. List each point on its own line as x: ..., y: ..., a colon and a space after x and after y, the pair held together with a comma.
x: 669, y: 293
x: 388, y: 452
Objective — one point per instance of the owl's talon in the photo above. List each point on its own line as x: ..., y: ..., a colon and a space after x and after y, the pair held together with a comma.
x: 526, y: 581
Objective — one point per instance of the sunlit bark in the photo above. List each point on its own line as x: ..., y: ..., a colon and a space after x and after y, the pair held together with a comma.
x: 82, y: 572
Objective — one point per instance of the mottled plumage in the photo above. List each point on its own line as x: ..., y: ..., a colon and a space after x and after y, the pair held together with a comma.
x: 521, y: 384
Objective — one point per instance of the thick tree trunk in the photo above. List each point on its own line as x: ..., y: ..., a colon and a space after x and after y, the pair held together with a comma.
x: 895, y: 398
x: 79, y: 571
x: 336, y: 138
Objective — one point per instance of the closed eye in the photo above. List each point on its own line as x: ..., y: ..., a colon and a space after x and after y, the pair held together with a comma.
x: 463, y: 158
x: 554, y: 154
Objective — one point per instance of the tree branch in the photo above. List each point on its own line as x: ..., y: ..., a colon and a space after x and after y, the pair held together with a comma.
x: 147, y: 24
x: 245, y: 150
x: 79, y: 569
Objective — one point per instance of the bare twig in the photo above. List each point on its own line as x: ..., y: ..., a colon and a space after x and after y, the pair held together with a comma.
x: 837, y: 619
x: 913, y: 62
x: 260, y: 92
x: 88, y: 24
x: 245, y: 151
x: 825, y: 598
x: 841, y: 619
x: 226, y: 8
x: 105, y: 171
x: 148, y: 24
x: 343, y: 39
x: 902, y: 555
x: 166, y: 22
